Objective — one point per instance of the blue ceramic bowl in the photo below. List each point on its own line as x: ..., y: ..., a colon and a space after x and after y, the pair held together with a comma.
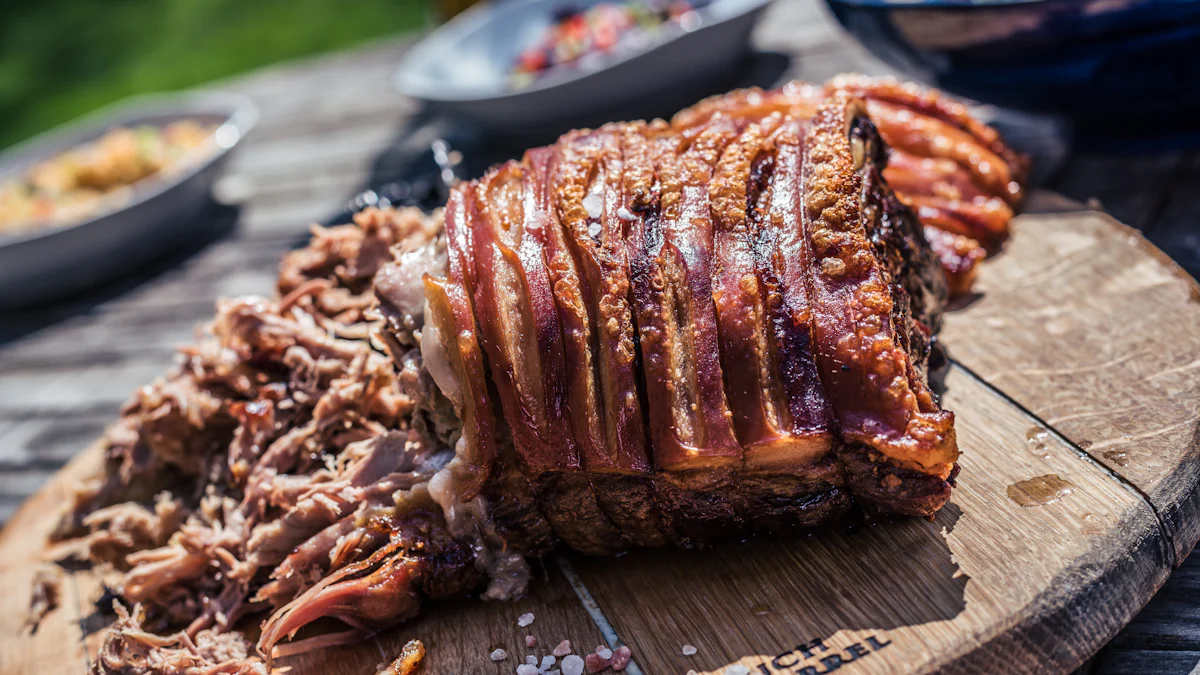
x: 1124, y: 67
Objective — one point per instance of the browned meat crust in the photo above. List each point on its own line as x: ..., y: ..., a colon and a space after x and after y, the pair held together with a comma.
x: 646, y: 334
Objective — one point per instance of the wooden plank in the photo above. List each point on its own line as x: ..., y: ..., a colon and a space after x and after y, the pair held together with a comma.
x: 1142, y: 661
x: 1172, y: 619
x: 1083, y: 323
x: 987, y: 579
x: 101, y: 387
x: 58, y: 647
x: 987, y: 586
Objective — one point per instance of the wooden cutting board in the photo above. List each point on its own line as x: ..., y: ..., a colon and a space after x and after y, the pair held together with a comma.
x: 1076, y: 382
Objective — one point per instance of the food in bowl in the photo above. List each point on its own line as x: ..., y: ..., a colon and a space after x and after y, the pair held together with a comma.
x: 578, y: 36
x: 100, y: 175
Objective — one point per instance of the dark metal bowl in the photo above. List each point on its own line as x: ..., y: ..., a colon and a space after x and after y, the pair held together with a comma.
x: 49, y: 262
x: 1123, y: 67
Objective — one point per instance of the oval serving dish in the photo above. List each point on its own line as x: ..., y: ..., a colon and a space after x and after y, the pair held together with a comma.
x: 463, y: 67
x: 49, y: 261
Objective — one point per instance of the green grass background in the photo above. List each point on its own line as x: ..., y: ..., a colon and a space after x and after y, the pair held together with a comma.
x: 60, y: 59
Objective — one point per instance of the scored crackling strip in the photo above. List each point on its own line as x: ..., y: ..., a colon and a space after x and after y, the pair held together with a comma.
x: 876, y: 395
x: 453, y: 317
x: 922, y: 122
x: 689, y: 414
x: 779, y: 250
x: 764, y: 339
x: 568, y: 500
x: 592, y: 200
x: 515, y: 308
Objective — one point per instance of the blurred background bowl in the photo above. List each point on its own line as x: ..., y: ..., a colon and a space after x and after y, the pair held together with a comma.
x: 162, y: 212
x: 463, y: 67
x: 1113, y: 67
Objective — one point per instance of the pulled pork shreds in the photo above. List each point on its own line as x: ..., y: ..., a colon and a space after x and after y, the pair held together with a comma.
x: 261, y: 474
x: 131, y: 650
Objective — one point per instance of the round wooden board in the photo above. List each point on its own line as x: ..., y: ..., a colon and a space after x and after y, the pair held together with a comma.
x: 1077, y: 359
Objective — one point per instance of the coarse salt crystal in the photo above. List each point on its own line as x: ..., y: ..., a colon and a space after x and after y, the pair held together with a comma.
x: 594, y: 205
x: 604, y: 652
x: 624, y: 213
x: 572, y: 665
x: 547, y: 661
x: 620, y: 657
x: 562, y: 649
x: 499, y: 655
x: 595, y: 663
x: 525, y: 619
x: 737, y: 669
x: 688, y: 650
x: 530, y: 641
x: 594, y: 230
x: 692, y: 672
x: 531, y: 660
x: 526, y: 669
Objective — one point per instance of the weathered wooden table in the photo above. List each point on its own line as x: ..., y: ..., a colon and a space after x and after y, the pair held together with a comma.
x: 333, y: 125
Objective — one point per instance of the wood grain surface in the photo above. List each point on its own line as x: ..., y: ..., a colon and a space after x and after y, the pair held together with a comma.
x: 331, y: 125
x: 1087, y: 326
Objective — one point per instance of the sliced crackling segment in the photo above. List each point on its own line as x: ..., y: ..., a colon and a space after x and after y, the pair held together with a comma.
x: 695, y: 447
x: 593, y: 205
x: 875, y: 390
x: 671, y: 261
x: 780, y: 412
x: 955, y: 172
x: 943, y: 196
x: 536, y: 491
x: 976, y: 147
x: 587, y: 199
x: 959, y: 255
x: 561, y: 324
x: 516, y: 311
x: 452, y: 325
x: 938, y: 191
x: 798, y: 100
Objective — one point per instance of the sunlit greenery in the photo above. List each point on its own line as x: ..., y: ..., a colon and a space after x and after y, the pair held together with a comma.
x: 62, y: 58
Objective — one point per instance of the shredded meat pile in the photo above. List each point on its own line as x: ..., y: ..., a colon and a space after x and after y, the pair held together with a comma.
x: 267, y: 459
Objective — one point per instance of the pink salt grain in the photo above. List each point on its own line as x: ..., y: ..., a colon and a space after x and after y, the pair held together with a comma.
x: 620, y: 658
x: 595, y: 663
x: 530, y: 641
x: 562, y: 649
